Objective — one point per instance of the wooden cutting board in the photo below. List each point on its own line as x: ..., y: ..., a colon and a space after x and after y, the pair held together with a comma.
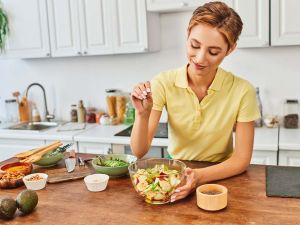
x: 57, y: 175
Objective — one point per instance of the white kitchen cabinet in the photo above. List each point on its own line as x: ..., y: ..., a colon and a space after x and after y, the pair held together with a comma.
x: 255, y: 17
x: 100, y: 27
x: 10, y: 147
x: 254, y: 14
x: 134, y: 29
x: 28, y: 29
x: 285, y: 22
x: 289, y: 147
x: 177, y: 5
x: 154, y: 152
x: 289, y: 158
x: 64, y: 27
x: 96, y: 27
x: 93, y: 147
x: 264, y: 157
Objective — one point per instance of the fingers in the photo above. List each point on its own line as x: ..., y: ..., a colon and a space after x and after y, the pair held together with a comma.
x: 142, y: 91
x: 185, y: 190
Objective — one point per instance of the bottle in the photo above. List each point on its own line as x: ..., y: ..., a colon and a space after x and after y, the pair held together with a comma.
x: 24, y: 110
x: 81, y: 112
x: 73, y: 113
x: 259, y: 122
x: 36, y: 117
x: 129, y: 114
x: 291, y: 118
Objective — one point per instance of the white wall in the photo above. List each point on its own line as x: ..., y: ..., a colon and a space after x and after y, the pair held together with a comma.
x: 66, y: 80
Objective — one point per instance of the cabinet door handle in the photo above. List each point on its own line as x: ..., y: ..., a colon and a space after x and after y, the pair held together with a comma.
x: 85, y: 52
x: 79, y: 53
x: 48, y: 54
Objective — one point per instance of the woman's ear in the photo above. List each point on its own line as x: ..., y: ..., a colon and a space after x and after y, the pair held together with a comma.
x: 231, y: 49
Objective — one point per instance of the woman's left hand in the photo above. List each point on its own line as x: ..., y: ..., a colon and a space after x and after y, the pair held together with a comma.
x: 185, y: 190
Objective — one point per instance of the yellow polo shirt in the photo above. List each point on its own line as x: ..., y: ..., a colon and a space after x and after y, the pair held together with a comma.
x: 203, y: 130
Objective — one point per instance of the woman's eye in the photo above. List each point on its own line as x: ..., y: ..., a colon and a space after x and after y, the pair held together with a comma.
x: 214, y: 53
x: 195, y: 46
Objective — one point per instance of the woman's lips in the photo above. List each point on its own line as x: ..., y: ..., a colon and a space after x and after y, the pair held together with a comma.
x: 198, y: 66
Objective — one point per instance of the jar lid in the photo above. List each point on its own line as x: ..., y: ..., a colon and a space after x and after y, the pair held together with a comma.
x: 294, y: 101
x: 111, y: 90
x: 10, y: 100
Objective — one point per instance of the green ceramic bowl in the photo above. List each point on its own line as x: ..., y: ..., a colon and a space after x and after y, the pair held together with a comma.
x: 114, y: 171
x: 49, y: 160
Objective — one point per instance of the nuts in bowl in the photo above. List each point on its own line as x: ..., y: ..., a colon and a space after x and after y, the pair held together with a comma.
x: 156, y: 179
x: 35, y: 181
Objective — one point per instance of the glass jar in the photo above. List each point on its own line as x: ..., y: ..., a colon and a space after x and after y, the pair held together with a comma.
x: 111, y: 96
x: 90, y: 115
x: 73, y: 113
x: 11, y: 107
x: 291, y: 117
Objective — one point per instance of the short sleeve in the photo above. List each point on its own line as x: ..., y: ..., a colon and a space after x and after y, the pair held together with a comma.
x: 158, y: 93
x: 248, y: 110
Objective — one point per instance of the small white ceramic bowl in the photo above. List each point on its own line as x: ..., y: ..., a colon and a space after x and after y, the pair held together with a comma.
x: 35, y: 184
x: 96, y: 182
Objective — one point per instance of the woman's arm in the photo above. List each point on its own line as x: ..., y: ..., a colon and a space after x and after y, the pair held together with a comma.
x: 146, y: 119
x: 143, y: 131
x: 236, y: 164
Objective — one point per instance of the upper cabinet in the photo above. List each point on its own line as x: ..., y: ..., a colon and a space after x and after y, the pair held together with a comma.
x: 285, y: 22
x: 130, y: 25
x: 64, y: 27
x: 255, y: 17
x: 81, y: 27
x: 28, y: 29
x: 259, y: 30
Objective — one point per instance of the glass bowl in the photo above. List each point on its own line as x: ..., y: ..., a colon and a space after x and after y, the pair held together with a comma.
x: 156, y: 179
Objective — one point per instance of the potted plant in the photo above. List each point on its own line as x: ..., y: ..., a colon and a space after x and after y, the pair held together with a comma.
x: 3, y: 28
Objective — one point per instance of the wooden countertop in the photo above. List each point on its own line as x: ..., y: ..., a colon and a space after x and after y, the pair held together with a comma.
x: 71, y: 203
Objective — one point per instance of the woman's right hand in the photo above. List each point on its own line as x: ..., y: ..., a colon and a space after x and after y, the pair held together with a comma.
x: 141, y: 98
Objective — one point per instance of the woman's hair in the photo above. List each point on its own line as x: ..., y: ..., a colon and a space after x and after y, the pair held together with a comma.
x: 220, y: 16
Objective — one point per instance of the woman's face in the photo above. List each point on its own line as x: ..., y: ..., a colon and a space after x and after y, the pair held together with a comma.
x: 206, y: 48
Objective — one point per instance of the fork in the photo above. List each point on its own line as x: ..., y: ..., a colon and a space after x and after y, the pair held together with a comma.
x: 81, y: 162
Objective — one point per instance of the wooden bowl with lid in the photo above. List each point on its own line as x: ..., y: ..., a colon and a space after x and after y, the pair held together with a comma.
x: 211, y: 197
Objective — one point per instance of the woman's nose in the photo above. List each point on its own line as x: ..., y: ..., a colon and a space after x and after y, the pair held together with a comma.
x: 201, y: 56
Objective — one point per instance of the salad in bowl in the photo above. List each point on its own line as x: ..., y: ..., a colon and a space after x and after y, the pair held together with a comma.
x: 156, y: 179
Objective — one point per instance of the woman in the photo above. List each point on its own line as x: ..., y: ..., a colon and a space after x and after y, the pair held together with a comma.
x: 203, y: 101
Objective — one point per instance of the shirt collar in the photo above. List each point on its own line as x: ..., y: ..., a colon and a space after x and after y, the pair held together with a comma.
x: 182, y: 81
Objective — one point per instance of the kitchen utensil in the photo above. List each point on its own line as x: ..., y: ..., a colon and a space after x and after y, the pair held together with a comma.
x: 51, y: 158
x: 71, y: 161
x: 34, y: 151
x: 36, y: 157
x: 81, y: 162
x: 211, y: 197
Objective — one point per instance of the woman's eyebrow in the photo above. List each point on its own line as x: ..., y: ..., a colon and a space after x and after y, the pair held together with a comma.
x: 214, y: 47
